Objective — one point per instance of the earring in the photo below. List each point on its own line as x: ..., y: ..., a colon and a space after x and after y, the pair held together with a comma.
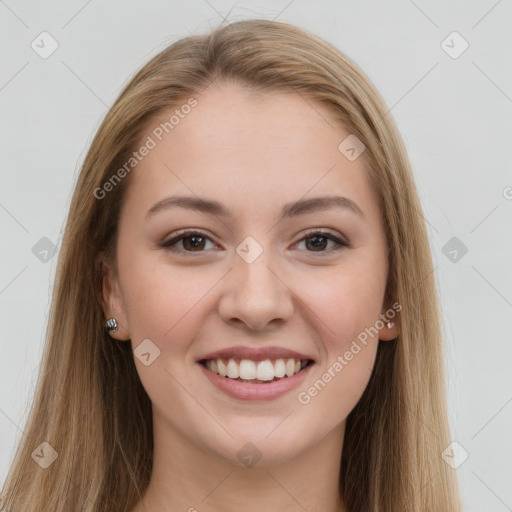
x: 390, y: 324
x: 111, y: 324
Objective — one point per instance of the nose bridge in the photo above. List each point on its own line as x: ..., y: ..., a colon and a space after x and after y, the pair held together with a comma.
x: 252, y: 264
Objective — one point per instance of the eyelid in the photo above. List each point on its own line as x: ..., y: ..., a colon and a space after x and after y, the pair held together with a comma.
x: 181, y: 234
x: 340, y: 241
x: 322, y: 232
x: 325, y: 232
x: 189, y: 232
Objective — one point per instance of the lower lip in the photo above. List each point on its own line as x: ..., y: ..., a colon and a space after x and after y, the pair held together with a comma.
x: 254, y: 391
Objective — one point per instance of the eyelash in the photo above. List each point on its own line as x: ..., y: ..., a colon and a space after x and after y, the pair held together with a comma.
x: 310, y: 234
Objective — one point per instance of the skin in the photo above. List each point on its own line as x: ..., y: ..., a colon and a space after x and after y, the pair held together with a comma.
x: 253, y: 153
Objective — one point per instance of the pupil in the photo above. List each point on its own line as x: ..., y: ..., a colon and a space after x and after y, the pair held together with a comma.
x: 316, y: 244
x: 194, y: 244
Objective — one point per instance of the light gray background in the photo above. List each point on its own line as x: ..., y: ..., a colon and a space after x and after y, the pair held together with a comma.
x: 454, y: 114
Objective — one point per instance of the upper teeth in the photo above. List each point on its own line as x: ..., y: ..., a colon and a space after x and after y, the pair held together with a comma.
x: 261, y: 370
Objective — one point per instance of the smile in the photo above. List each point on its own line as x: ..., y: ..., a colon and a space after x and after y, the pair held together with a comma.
x: 252, y: 380
x: 248, y: 370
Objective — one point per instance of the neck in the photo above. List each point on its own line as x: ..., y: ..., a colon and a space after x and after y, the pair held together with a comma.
x: 186, y: 477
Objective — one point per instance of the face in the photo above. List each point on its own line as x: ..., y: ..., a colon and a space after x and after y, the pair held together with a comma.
x: 252, y: 278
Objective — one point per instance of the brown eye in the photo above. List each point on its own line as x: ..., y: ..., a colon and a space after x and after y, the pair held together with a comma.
x: 318, y: 241
x: 195, y: 242
x: 191, y: 241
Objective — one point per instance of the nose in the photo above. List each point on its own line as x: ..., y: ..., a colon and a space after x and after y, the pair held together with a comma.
x: 256, y: 295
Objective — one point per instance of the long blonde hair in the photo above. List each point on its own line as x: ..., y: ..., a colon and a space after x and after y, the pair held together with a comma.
x: 90, y: 405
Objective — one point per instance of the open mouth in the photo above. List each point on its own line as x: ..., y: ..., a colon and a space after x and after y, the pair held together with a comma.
x: 257, y: 372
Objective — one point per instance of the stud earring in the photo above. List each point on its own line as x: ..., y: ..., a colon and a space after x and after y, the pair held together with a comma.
x: 390, y: 324
x: 111, y: 324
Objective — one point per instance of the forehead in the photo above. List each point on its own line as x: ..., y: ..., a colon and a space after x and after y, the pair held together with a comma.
x: 248, y: 149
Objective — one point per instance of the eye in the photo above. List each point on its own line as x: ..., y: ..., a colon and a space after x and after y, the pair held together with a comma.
x: 192, y: 241
x: 195, y: 242
x: 319, y: 241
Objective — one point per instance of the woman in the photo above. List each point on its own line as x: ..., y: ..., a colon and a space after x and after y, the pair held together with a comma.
x: 244, y: 314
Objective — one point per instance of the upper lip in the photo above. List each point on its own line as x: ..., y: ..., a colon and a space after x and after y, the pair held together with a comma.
x: 256, y: 354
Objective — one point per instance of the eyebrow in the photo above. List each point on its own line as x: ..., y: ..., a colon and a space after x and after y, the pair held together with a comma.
x: 289, y: 210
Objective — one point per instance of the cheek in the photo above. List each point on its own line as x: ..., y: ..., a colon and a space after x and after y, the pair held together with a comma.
x: 167, y: 305
x: 344, y: 299
x: 163, y: 301
x: 338, y: 387
x: 346, y: 308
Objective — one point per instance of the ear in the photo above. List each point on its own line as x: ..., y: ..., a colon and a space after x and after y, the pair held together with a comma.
x: 390, y: 314
x: 112, y: 298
